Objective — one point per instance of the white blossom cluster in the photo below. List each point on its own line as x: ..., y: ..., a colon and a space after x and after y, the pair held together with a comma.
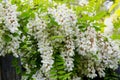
x: 1, y: 31
x: 10, y: 17
x: 109, y: 52
x: 91, y: 69
x: 38, y: 76
x: 63, y: 15
x: 68, y: 53
x: 108, y: 31
x: 37, y: 28
x: 86, y: 42
x: 11, y: 47
x: 83, y: 2
x: 107, y: 4
x: 66, y: 18
x: 101, y: 52
x: 96, y: 51
x: 76, y: 78
x: 8, y: 22
x: 1, y: 13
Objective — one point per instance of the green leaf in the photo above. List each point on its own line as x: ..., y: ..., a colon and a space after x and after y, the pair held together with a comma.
x: 53, y: 77
x: 7, y: 38
x: 25, y: 29
x: 15, y: 34
x: 56, y: 37
x: 61, y: 72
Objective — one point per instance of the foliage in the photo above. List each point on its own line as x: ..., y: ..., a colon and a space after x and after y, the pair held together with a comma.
x: 61, y: 39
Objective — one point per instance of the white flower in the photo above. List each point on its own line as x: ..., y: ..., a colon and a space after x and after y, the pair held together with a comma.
x: 76, y: 78
x: 86, y: 42
x: 13, y: 46
x: 92, y: 75
x: 108, y: 4
x: 108, y: 30
x: 37, y: 28
x: 5, y: 1
x: 50, y: 0
x: 109, y: 27
x: 101, y: 72
x: 101, y: 53
x: 10, y: 17
x: 68, y: 53
x: 63, y: 15
x: 66, y: 18
x: 108, y: 21
x: 38, y: 76
x: 1, y: 13
x: 83, y: 2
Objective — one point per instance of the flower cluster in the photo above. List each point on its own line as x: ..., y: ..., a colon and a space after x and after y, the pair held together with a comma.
x: 100, y: 52
x: 56, y: 32
x: 1, y: 13
x: 107, y: 4
x: 10, y: 17
x: 13, y: 46
x: 76, y: 78
x: 63, y: 15
x: 68, y: 53
x: 109, y: 52
x: 83, y: 2
x: 66, y: 18
x: 109, y: 26
x: 86, y: 42
x: 37, y: 28
x: 38, y: 76
x: 9, y: 22
x: 1, y: 31
x: 10, y: 47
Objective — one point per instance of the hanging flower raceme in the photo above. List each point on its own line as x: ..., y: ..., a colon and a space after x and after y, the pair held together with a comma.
x: 10, y: 17
x: 99, y: 51
x: 58, y: 44
x: 66, y: 18
x: 86, y: 42
x: 108, y: 31
x: 38, y: 76
x: 37, y: 28
x: 63, y: 15
x: 1, y: 12
x: 107, y: 4
x: 68, y: 53
x: 9, y: 25
x: 1, y: 31
x: 109, y: 52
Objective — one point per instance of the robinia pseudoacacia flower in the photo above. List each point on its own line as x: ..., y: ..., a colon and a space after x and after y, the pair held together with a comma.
x: 9, y: 22
x: 58, y: 33
x: 91, y: 43
x: 98, y: 51
x: 109, y: 26
x: 66, y: 18
x: 10, y: 17
x: 37, y: 28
